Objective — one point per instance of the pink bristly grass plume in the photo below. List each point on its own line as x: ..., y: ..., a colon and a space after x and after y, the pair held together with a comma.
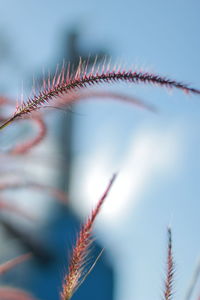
x: 170, y: 269
x: 76, y: 272
x: 66, y: 82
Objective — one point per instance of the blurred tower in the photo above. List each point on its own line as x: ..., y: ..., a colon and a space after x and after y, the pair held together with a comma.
x: 71, y: 52
x: 98, y: 285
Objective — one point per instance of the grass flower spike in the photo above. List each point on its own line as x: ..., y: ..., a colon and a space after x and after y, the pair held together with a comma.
x: 76, y: 271
x: 170, y: 269
x: 65, y: 83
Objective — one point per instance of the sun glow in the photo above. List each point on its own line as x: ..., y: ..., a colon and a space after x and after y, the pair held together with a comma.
x: 151, y: 153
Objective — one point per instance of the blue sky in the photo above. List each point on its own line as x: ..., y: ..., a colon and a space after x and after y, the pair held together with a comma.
x: 158, y: 155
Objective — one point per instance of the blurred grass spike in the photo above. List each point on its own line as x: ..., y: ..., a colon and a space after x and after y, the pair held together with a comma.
x: 58, y: 194
x: 26, y: 146
x: 193, y: 282
x: 106, y: 95
x: 13, y: 262
x: 9, y: 293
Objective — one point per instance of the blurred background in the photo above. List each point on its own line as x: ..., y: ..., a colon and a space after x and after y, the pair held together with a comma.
x: 157, y: 155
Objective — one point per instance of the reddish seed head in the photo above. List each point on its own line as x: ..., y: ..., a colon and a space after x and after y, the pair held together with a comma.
x: 65, y: 82
x: 170, y: 269
x: 80, y: 252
